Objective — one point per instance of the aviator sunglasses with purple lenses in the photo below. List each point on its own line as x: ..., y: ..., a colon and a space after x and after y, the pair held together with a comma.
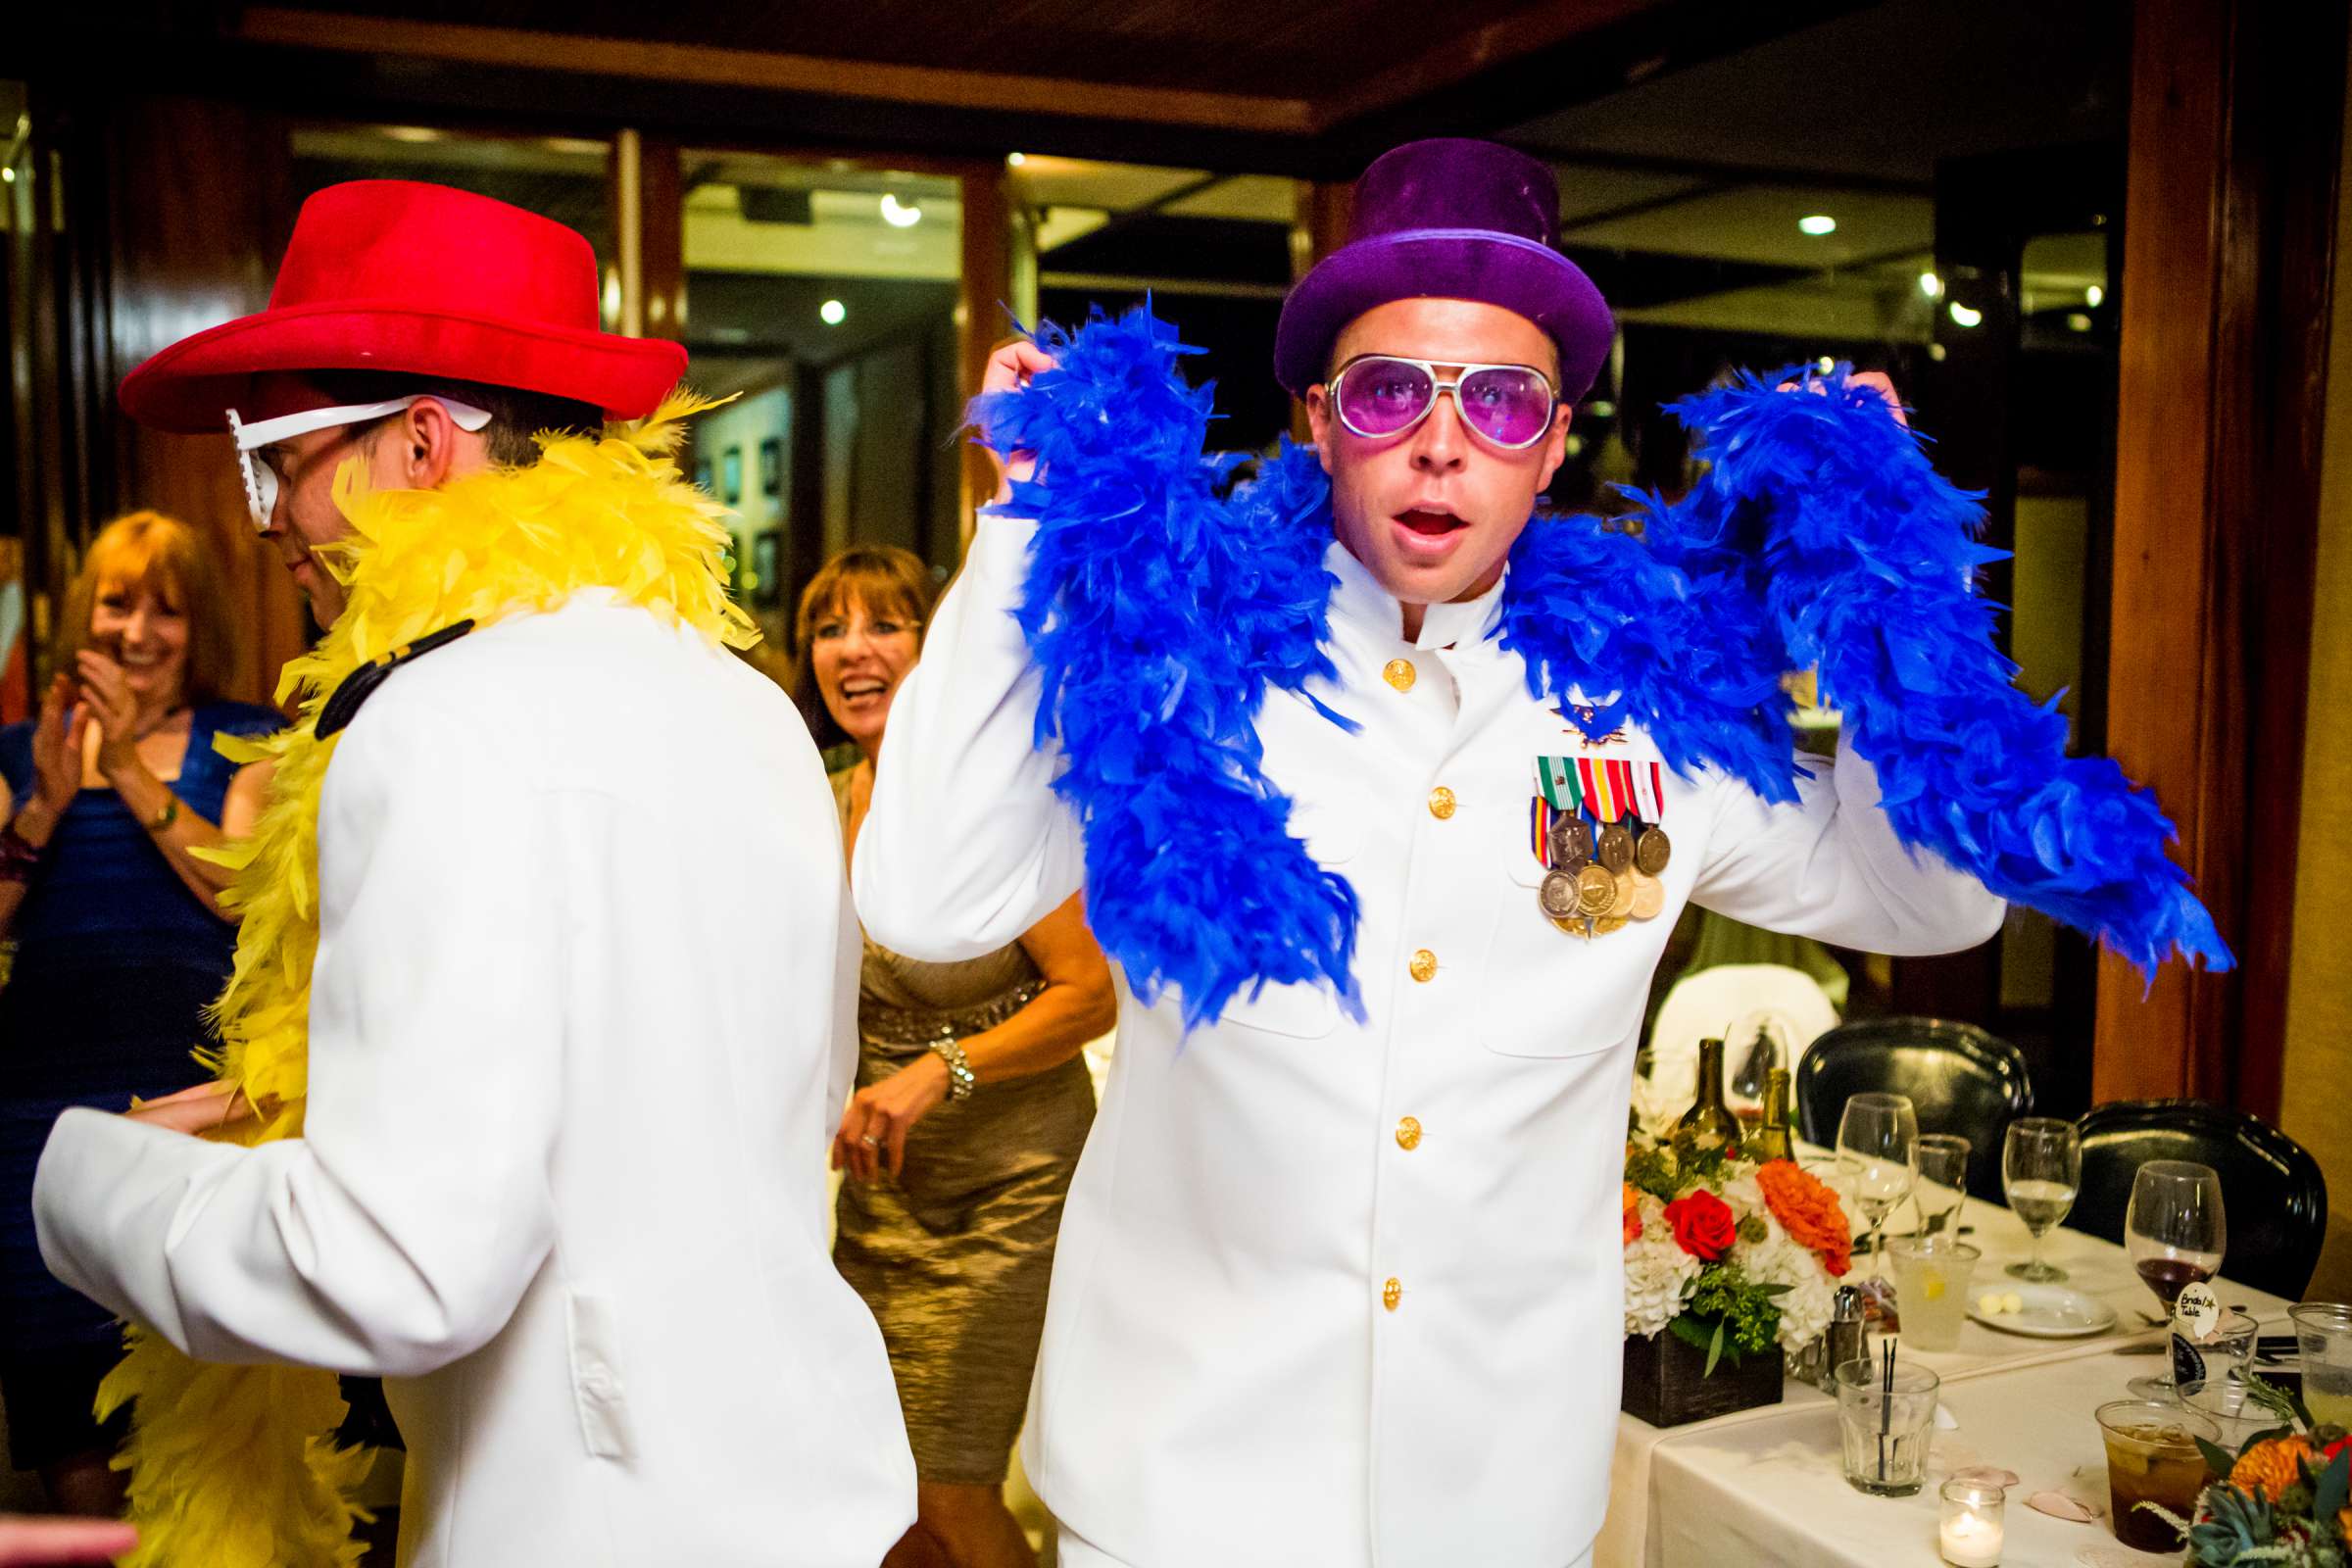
x: 1379, y: 395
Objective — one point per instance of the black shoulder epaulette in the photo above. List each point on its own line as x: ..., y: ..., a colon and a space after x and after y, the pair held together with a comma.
x: 344, y: 704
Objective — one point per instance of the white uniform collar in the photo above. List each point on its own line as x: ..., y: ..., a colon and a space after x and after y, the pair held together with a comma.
x: 1361, y: 599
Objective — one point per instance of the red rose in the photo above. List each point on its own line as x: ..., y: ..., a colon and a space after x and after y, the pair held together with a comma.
x: 1702, y: 1225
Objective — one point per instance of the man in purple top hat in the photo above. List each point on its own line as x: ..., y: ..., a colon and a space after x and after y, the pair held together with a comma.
x: 1349, y: 1291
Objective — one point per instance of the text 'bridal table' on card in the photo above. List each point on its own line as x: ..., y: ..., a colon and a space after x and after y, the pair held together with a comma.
x: 1764, y: 1488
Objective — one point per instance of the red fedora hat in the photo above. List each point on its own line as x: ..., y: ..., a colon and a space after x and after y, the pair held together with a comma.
x: 391, y: 274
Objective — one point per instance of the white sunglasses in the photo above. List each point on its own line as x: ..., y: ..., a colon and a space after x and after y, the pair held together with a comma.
x: 261, y: 479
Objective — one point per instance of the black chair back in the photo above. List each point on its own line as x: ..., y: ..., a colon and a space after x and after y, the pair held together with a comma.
x: 2273, y: 1195
x: 1961, y: 1079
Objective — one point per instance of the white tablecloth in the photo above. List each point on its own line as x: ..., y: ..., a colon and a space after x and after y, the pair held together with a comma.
x: 1763, y: 1488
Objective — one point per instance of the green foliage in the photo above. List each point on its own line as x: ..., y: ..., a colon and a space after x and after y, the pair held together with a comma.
x: 1651, y: 1172
x: 1729, y: 1314
x: 2287, y: 1407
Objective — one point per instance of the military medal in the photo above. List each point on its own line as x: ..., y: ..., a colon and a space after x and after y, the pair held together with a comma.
x: 1616, y: 848
x: 1590, y: 830
x: 1652, y: 849
x: 1557, y: 895
x: 1571, y: 839
x: 1650, y: 895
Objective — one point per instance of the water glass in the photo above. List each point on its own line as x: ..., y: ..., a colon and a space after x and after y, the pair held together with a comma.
x: 2041, y: 1166
x: 1930, y: 1289
x: 2219, y: 1363
x: 1942, y: 1180
x: 1877, y: 1157
x: 2324, y: 1333
x: 1884, y: 1435
x: 2152, y: 1456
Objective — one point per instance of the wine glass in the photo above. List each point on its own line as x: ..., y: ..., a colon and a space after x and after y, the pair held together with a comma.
x: 1877, y: 1160
x: 1752, y: 1047
x: 2175, y: 1234
x: 2041, y: 1166
x: 1943, y: 1184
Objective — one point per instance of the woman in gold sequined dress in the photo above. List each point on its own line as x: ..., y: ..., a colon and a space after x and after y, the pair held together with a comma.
x: 972, y: 1104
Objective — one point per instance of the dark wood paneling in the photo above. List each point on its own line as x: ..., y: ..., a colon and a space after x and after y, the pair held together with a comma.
x: 2235, y: 130
x: 193, y: 238
x: 986, y: 288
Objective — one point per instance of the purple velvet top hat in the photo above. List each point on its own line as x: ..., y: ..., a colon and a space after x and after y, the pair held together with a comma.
x: 1449, y: 218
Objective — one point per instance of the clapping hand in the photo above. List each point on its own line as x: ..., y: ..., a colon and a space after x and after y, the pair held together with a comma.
x: 106, y: 701
x: 57, y: 747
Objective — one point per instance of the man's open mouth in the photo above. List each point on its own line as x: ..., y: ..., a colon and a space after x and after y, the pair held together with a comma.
x: 1431, y: 521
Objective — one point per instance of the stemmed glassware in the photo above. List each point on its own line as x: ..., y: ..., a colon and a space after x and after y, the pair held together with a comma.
x: 1877, y: 1161
x: 1942, y: 1181
x: 2176, y: 1233
x: 2042, y: 1167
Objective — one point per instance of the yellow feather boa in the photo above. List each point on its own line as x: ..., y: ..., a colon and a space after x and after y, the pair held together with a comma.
x: 236, y: 1466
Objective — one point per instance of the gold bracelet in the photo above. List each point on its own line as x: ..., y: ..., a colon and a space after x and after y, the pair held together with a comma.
x: 164, y: 818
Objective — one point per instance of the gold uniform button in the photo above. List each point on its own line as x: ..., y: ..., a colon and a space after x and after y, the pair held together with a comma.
x: 1441, y: 803
x: 1409, y: 1134
x: 1392, y: 1292
x: 1424, y: 964
x: 1400, y: 673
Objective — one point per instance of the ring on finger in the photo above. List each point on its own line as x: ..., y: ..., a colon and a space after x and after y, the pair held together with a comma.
x: 870, y: 1140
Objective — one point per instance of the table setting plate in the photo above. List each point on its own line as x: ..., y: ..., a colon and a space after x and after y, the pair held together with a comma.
x: 2046, y: 1312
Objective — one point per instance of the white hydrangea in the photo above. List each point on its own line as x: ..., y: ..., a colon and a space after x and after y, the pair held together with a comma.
x: 1806, y: 1306
x: 1658, y: 1272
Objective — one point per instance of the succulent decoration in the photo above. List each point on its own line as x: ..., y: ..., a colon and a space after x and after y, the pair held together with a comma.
x: 2285, y: 1497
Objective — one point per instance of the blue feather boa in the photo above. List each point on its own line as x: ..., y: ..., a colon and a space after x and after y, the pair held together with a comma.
x: 1162, y: 600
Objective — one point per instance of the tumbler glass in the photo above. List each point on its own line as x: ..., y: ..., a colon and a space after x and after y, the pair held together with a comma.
x: 1884, y: 1431
x: 2152, y: 1456
x: 1930, y: 1289
x: 2324, y: 1334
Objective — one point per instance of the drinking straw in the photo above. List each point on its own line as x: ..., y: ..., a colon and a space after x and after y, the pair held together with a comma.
x: 1886, y: 1406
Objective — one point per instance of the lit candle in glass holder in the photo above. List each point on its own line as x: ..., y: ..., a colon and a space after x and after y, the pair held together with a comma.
x: 1973, y: 1526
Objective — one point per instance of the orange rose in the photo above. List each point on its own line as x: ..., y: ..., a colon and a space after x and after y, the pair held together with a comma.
x: 1809, y: 1212
x: 2269, y: 1468
x: 1633, y: 1215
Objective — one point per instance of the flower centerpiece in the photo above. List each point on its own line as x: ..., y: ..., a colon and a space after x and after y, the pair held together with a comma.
x: 2285, y: 1497
x: 1729, y: 1258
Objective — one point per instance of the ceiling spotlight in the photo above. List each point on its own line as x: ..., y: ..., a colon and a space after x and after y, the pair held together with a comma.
x: 1930, y: 285
x: 1015, y: 160
x: 1818, y: 225
x: 1964, y: 315
x: 2079, y: 322
x: 1825, y: 364
x: 8, y: 174
x: 832, y: 313
x: 2094, y: 296
x: 900, y: 214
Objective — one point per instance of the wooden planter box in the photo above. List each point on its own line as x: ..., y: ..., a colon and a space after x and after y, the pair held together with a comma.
x: 1665, y: 1383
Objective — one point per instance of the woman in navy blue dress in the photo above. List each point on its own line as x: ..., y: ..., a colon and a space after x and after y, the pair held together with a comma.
x: 118, y: 939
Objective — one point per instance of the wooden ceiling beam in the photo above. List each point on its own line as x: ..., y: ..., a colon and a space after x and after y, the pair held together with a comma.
x: 1456, y: 60
x: 704, y: 65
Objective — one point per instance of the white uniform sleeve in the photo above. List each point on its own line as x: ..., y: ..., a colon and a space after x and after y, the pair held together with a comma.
x: 965, y: 845
x: 1829, y: 866
x: 399, y: 1231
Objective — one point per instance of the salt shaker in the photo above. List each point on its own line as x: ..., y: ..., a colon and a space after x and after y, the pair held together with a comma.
x: 1847, y: 1339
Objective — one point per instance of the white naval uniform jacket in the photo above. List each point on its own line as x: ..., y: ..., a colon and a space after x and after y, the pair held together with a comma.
x: 580, y: 1032
x: 1223, y: 1380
